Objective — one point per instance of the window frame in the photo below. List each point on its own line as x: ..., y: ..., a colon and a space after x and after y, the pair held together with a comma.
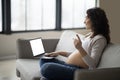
x: 6, y: 18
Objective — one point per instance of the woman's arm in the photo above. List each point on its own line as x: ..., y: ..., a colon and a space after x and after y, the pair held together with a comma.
x: 82, y: 52
x: 78, y: 45
x: 54, y: 54
x: 97, y: 46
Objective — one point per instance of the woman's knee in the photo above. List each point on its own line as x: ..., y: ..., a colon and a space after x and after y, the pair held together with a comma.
x: 47, y: 69
x: 44, y: 61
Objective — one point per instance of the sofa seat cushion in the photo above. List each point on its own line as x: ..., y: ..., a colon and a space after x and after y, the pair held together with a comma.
x: 111, y: 56
x: 29, y: 68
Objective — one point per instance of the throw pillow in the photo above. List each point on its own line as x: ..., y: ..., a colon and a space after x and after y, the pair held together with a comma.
x: 66, y: 42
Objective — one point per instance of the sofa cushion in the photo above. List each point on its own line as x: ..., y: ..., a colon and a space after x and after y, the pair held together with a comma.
x: 111, y: 56
x: 24, y: 49
x: 29, y: 67
x: 66, y: 41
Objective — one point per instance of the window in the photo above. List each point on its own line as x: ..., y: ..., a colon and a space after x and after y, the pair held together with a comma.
x: 35, y: 15
x: 74, y: 11
x: 0, y: 17
x: 32, y: 14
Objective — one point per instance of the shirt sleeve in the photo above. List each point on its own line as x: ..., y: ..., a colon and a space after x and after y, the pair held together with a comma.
x: 97, y: 47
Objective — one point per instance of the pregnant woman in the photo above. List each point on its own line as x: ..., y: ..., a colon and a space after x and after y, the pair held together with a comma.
x: 88, y: 51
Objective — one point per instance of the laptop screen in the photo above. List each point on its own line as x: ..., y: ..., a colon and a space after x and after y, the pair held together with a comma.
x: 37, y: 46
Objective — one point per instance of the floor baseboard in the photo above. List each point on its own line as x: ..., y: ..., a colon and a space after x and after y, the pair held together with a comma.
x: 8, y: 57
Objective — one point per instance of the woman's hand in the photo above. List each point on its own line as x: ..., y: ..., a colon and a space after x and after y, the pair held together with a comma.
x: 77, y: 42
x: 52, y: 54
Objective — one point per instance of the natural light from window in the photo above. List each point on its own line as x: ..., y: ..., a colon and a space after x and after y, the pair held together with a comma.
x: 41, y: 14
x: 74, y: 12
x: 32, y: 14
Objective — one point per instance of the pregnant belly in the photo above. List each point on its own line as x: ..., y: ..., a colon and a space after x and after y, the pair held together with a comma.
x: 76, y: 59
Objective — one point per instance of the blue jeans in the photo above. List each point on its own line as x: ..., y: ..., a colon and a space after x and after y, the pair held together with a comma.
x: 53, y: 69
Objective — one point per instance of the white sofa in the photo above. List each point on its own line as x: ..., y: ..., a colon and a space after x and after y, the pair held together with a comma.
x: 27, y: 66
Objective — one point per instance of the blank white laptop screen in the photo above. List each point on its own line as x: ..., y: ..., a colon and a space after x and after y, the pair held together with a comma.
x: 37, y: 46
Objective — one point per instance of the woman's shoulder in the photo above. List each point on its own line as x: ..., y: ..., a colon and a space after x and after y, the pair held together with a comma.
x: 99, y: 36
x: 96, y: 37
x: 98, y: 40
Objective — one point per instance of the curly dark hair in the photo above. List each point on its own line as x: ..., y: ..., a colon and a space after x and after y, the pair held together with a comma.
x: 99, y: 22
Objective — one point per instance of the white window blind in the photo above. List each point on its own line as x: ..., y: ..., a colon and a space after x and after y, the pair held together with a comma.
x: 41, y: 14
x: 32, y: 14
x: 74, y: 12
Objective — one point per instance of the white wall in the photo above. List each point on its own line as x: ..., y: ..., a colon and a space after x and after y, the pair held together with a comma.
x: 8, y: 42
x: 113, y: 12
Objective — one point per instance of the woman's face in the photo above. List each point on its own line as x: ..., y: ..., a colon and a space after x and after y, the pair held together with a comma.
x: 88, y: 23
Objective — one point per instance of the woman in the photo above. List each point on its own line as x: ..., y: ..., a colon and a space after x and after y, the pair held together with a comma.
x: 88, y: 51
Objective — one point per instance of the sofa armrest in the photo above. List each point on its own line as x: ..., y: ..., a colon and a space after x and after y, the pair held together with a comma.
x: 25, y: 51
x: 98, y: 74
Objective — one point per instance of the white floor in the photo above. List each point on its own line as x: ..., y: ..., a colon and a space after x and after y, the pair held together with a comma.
x: 8, y: 70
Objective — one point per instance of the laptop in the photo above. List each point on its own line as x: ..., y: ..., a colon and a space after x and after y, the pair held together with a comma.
x: 38, y: 48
